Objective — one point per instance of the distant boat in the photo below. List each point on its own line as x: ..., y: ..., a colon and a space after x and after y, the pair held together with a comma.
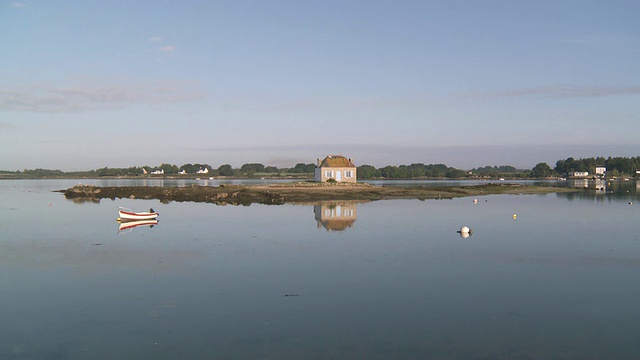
x: 128, y: 214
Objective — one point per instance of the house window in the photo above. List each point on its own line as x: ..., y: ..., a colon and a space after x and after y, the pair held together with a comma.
x: 348, y: 174
x: 327, y: 174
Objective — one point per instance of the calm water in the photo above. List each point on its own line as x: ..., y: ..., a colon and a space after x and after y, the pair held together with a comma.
x: 377, y: 280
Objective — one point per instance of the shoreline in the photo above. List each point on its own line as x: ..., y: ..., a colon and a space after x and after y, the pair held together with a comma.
x: 278, y: 194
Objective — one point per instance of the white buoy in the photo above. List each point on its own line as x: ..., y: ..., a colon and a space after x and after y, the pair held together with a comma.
x: 465, y: 232
x: 475, y: 201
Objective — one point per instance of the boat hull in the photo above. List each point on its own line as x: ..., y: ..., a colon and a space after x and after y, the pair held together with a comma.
x: 129, y: 215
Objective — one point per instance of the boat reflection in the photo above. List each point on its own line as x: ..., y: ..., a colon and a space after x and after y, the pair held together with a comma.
x: 335, y: 215
x: 128, y: 225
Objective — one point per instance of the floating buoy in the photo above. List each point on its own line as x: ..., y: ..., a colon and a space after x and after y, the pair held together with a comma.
x: 630, y: 203
x: 475, y: 201
x: 515, y: 216
x: 465, y: 232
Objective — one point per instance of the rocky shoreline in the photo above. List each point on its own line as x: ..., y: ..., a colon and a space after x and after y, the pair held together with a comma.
x: 278, y: 194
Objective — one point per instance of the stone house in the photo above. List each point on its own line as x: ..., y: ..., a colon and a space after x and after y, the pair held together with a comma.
x: 335, y: 167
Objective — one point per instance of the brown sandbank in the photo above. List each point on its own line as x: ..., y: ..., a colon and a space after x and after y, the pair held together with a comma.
x: 277, y: 194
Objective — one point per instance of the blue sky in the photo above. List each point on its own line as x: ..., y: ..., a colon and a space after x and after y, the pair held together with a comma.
x: 88, y: 84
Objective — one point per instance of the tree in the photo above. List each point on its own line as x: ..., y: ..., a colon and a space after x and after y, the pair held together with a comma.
x: 541, y: 170
x: 302, y: 168
x: 253, y: 167
x: 169, y: 169
x: 367, y: 172
x: 189, y: 168
x: 389, y: 171
x: 225, y: 170
x: 454, y: 173
x: 437, y: 170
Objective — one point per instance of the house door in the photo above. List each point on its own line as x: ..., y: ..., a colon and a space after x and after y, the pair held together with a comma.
x: 338, y: 175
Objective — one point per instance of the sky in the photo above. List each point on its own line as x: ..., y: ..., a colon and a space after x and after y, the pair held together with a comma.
x: 91, y: 84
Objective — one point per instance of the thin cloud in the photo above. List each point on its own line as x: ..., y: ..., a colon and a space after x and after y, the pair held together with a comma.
x: 564, y: 91
x: 17, y: 4
x: 167, y: 49
x: 318, y: 103
x: 48, y: 98
x: 155, y: 39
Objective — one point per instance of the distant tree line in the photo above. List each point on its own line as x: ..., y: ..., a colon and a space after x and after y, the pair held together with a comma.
x: 616, y: 166
x: 492, y: 170
x: 418, y: 170
x: 249, y: 169
x: 42, y: 172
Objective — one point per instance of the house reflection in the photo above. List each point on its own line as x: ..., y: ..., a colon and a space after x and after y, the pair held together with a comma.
x: 599, y: 185
x: 335, y: 215
x: 579, y: 183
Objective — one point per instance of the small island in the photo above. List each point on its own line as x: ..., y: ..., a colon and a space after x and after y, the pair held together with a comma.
x: 278, y: 194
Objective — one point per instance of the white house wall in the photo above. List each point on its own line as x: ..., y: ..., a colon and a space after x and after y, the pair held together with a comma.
x: 323, y: 174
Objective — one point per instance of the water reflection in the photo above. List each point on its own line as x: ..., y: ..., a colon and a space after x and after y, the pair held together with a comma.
x: 599, y: 185
x: 544, y: 286
x: 336, y: 215
x: 601, y: 189
x: 83, y: 200
x: 129, y: 225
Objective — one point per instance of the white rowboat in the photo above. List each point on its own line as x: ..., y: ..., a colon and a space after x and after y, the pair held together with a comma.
x: 128, y: 214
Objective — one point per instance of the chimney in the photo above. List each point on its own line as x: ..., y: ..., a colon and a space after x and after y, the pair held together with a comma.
x: 318, y: 162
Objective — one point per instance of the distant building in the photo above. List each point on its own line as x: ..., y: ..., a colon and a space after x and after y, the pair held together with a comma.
x: 601, y: 170
x: 336, y: 167
x: 578, y: 174
x: 203, y: 171
x: 182, y: 172
x: 158, y: 172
